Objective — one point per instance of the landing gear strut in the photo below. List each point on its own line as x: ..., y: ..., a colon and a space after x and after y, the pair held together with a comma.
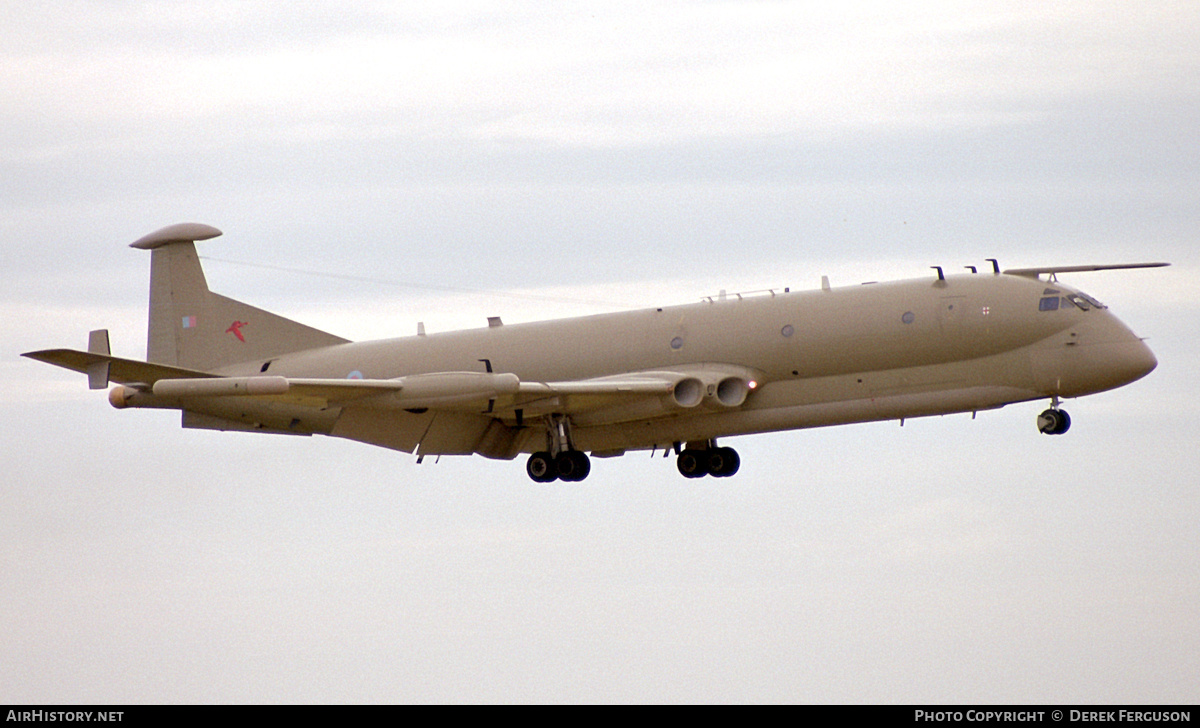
x: 719, y: 462
x: 1054, y: 421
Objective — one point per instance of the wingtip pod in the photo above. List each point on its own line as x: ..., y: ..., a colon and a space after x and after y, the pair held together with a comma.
x: 184, y: 232
x: 118, y: 397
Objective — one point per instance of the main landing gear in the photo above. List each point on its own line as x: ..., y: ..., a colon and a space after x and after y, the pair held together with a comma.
x: 719, y: 462
x: 569, y: 465
x: 1054, y: 421
x: 560, y: 460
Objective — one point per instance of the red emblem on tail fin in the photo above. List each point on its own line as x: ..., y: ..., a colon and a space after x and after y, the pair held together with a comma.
x: 235, y: 328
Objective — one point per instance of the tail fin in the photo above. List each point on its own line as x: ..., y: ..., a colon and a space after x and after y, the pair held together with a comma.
x: 195, y: 328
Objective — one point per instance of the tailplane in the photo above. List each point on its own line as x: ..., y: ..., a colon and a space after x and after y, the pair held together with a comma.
x: 195, y: 328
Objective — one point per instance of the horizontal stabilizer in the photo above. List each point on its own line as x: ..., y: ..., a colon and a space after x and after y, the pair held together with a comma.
x: 122, y: 371
x: 1052, y: 270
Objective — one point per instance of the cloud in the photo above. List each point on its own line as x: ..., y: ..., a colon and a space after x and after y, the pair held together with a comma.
x: 574, y: 75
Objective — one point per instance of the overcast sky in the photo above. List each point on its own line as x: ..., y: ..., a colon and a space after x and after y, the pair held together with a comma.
x: 445, y: 162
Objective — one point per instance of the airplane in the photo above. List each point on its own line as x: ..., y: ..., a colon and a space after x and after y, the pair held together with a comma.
x: 675, y: 379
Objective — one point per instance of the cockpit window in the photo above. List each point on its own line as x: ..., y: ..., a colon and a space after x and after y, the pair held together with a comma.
x: 1051, y: 301
x: 1083, y: 301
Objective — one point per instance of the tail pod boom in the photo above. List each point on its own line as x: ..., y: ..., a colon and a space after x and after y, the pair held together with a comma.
x: 192, y: 327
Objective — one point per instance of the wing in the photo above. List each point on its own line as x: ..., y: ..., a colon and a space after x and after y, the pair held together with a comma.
x: 464, y: 391
x: 1053, y: 270
x: 461, y: 391
x: 622, y: 397
x: 437, y: 413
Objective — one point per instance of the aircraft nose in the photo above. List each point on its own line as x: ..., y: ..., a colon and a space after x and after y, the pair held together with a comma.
x: 1138, y: 360
x: 1127, y: 361
x: 1074, y: 371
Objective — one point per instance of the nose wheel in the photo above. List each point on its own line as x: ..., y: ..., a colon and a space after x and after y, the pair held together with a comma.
x: 1054, y: 421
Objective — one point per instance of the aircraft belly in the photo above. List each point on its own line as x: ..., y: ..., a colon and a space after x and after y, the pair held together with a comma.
x: 980, y: 384
x: 661, y: 433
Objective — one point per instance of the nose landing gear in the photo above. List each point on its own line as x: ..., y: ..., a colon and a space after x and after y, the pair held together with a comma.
x: 1054, y: 421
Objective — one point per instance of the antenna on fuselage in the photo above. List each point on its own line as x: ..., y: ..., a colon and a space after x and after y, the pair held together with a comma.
x: 941, y: 275
x: 995, y: 265
x: 970, y: 268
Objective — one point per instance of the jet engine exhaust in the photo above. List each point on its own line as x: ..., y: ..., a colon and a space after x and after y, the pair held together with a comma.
x: 688, y: 392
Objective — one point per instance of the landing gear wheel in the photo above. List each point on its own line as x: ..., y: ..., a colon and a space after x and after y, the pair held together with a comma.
x: 1054, y: 422
x: 541, y: 467
x: 723, y: 462
x: 585, y: 464
x: 572, y: 465
x: 692, y: 463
